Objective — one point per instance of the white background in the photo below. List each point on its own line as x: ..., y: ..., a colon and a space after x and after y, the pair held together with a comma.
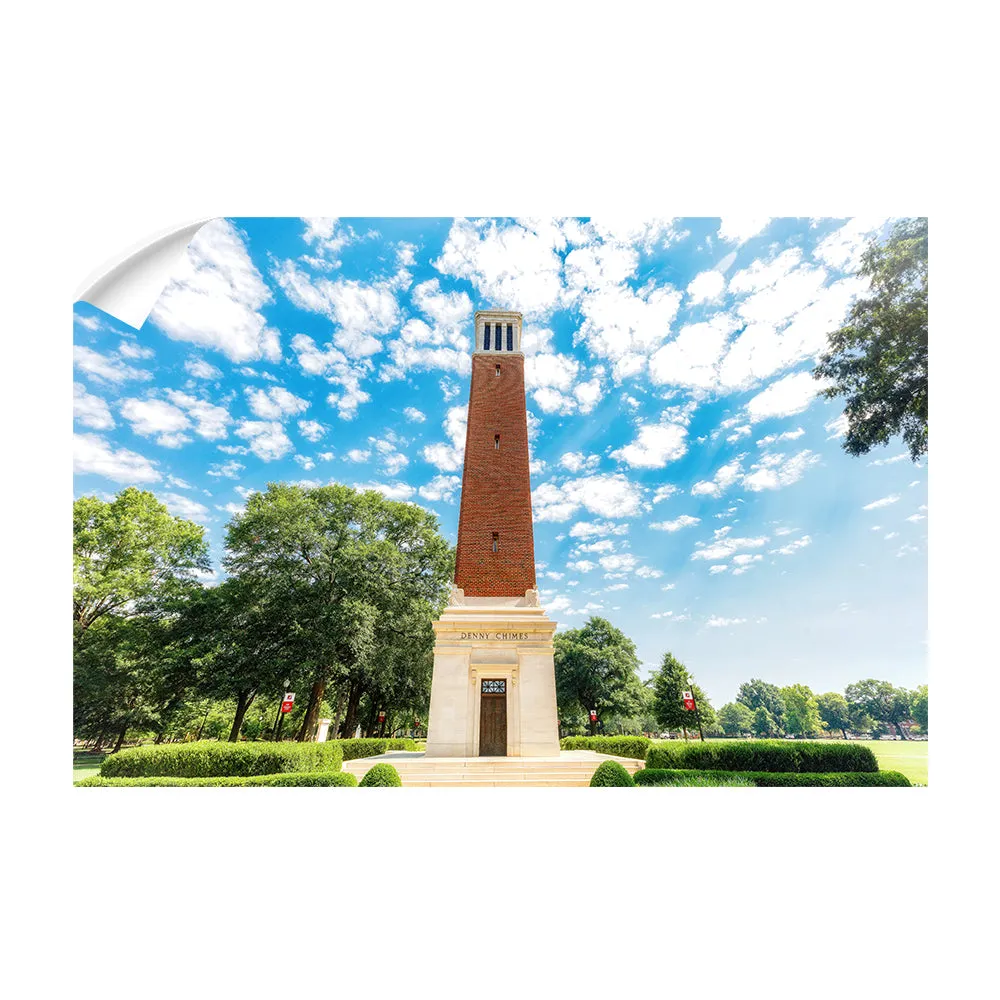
x: 125, y: 119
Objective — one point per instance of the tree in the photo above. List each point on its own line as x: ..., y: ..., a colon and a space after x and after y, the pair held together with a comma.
x: 878, y: 360
x: 669, y: 684
x: 736, y: 719
x: 834, y: 711
x: 880, y: 700
x: 597, y: 668
x: 759, y: 694
x: 129, y: 551
x: 801, y: 711
x: 919, y: 707
x: 360, y: 576
x: 763, y: 722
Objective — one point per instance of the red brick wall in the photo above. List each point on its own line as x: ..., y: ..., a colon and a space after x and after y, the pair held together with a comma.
x: 496, y: 489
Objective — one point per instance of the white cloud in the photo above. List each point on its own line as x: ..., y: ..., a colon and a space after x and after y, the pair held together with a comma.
x: 267, y: 438
x: 358, y: 455
x: 889, y: 461
x: 684, y: 521
x: 92, y: 454
x: 449, y: 457
x: 576, y: 461
x: 392, y: 491
x: 706, y: 287
x: 590, y: 529
x: 792, y: 547
x: 692, y: 357
x: 662, y: 492
x: 916, y: 517
x: 275, y: 403
x: 581, y: 566
x: 837, y: 427
x: 181, y: 506
x: 105, y: 368
x: 305, y: 461
x: 785, y: 436
x: 618, y: 563
x: 393, y: 460
x: 200, y: 368
x: 724, y: 478
x: 441, y: 488
x: 214, y: 298
x: 605, y: 495
x: 842, y: 249
x: 211, y: 421
x: 718, y: 568
x: 361, y: 313
x: 723, y: 548
x: 155, y: 418
x: 654, y: 446
x: 763, y: 274
x: 130, y: 349
x: 227, y: 470
x: 785, y: 397
x: 883, y: 502
x: 311, y: 430
x: 740, y: 228
x: 414, y: 415
x: 89, y: 410
x: 648, y: 573
x: 775, y: 471
x: 717, y: 622
x: 512, y: 266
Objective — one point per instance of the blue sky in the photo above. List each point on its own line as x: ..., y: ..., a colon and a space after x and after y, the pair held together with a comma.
x: 688, y: 483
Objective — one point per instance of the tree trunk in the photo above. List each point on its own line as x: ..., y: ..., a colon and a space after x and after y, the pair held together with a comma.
x: 899, y: 729
x: 593, y: 727
x: 353, y: 701
x: 308, y: 729
x: 844, y: 731
x: 99, y: 742
x: 203, y: 721
x: 121, y: 737
x: 338, y: 713
x: 243, y: 700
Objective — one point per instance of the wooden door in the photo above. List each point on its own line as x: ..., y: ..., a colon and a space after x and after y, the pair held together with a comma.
x: 493, y: 719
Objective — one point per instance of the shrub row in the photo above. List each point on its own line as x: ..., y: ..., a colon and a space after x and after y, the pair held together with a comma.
x: 294, y: 778
x: 610, y: 774
x: 775, y: 779
x: 211, y: 759
x: 617, y: 746
x: 762, y: 755
x: 371, y: 747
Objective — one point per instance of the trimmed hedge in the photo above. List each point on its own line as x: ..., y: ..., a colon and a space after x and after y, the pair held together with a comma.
x: 212, y: 759
x: 610, y: 774
x: 618, y: 746
x: 334, y: 779
x: 762, y: 755
x: 372, y: 747
x: 777, y: 779
x: 382, y: 776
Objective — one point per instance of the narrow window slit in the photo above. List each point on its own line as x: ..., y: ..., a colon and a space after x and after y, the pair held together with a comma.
x: 496, y: 441
x: 486, y: 337
x: 498, y: 371
x: 496, y: 541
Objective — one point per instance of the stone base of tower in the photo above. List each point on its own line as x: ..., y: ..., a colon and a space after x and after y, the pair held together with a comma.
x: 493, y: 692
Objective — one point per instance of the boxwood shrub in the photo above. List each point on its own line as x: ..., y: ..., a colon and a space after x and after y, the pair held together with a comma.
x: 296, y: 778
x: 762, y: 755
x: 382, y: 776
x: 372, y: 747
x: 212, y: 759
x: 617, y: 746
x: 610, y: 774
x: 777, y: 779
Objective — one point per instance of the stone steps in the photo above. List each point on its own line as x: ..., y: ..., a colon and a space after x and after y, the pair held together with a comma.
x: 570, y: 769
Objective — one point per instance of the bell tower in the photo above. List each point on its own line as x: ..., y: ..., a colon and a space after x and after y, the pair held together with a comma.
x: 493, y: 688
x: 496, y: 550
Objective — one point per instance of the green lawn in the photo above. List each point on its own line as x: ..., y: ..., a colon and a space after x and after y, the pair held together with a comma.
x: 909, y: 757
x: 86, y: 763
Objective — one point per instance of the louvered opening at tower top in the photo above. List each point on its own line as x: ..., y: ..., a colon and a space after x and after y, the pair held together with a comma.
x: 498, y: 332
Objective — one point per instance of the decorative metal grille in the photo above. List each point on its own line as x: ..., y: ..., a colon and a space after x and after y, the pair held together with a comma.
x: 494, y: 687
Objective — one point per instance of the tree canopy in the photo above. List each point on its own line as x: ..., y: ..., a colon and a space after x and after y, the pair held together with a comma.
x: 756, y: 693
x: 878, y: 359
x: 597, y: 668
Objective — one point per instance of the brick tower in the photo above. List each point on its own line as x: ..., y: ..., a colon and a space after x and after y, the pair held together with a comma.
x: 496, y: 551
x: 493, y: 688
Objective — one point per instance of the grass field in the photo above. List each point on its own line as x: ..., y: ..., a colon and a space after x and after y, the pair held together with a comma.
x: 909, y: 757
x: 86, y: 763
